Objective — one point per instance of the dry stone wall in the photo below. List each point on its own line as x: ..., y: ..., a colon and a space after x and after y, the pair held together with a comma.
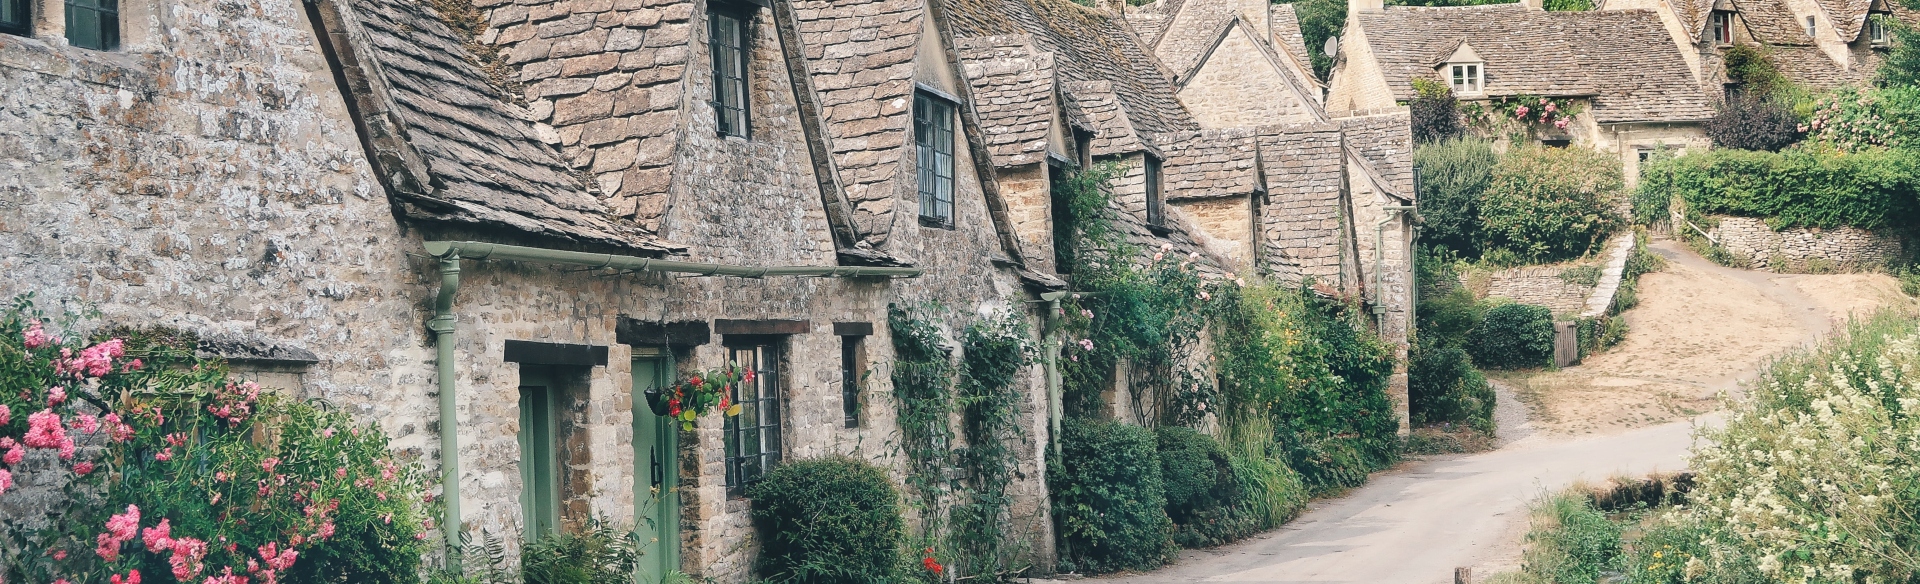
x: 1804, y: 249
x: 1535, y: 285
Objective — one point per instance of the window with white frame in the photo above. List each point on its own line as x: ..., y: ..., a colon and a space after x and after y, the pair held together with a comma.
x: 1722, y: 27
x: 1877, y: 29
x: 1811, y: 29
x: 1466, y: 77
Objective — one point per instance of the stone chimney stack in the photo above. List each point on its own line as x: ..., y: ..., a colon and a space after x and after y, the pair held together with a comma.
x: 1356, y: 6
x: 1534, y: 4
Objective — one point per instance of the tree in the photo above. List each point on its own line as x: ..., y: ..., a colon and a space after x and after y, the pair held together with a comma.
x: 1902, y: 64
x: 1754, y: 122
x: 1435, y: 112
x: 1453, y: 175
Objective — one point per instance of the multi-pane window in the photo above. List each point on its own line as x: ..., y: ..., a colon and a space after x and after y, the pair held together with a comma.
x: 1811, y: 29
x: 539, y: 479
x: 753, y: 437
x: 1466, y: 78
x: 1722, y: 24
x: 933, y: 138
x: 93, y: 24
x: 1877, y: 29
x: 16, y: 17
x: 1155, y: 215
x: 727, y: 40
x: 850, y: 378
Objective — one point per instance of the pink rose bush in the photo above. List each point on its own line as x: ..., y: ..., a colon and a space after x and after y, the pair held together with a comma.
x: 173, y: 472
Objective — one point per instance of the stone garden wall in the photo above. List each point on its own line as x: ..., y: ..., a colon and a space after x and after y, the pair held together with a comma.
x: 1805, y: 249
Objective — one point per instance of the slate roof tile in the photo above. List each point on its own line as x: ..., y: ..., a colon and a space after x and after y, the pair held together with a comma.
x: 1192, y: 31
x: 1209, y: 164
x: 1302, y: 225
x: 1286, y: 33
x: 1771, y: 22
x: 875, y: 104
x: 490, y: 169
x: 1013, y: 93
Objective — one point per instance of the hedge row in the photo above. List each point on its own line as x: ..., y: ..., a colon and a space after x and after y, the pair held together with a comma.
x: 1800, y: 187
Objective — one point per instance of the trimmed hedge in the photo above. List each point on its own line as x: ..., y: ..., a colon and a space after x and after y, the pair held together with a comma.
x: 1514, y: 336
x: 1800, y: 187
x: 828, y: 520
x: 1203, y: 493
x: 1108, y: 499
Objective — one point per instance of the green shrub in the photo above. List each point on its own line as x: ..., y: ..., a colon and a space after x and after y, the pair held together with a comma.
x: 1551, y: 204
x: 1853, y: 119
x: 1514, y: 336
x: 1443, y: 386
x: 1909, y: 280
x: 1756, y: 122
x: 1571, y: 542
x: 834, y: 519
x: 1435, y: 113
x: 1203, y: 491
x: 1271, y: 492
x: 1581, y: 275
x: 1108, y: 499
x: 1454, y: 174
x: 1799, y: 187
x: 599, y: 554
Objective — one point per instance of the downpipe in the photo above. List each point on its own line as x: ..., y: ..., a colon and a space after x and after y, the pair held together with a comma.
x: 442, y: 325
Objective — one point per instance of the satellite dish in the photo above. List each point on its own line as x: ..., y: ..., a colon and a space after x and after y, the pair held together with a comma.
x: 1332, y: 47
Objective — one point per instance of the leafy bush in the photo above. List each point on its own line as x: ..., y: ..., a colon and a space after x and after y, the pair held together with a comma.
x: 1271, y: 492
x: 1852, y: 119
x: 1568, y: 5
x: 1454, y: 175
x: 1443, y: 386
x: 1749, y: 68
x: 1754, y: 122
x: 166, y: 454
x: 1108, y: 499
x: 1909, y: 277
x: 1203, y: 490
x: 1571, y: 542
x: 833, y: 519
x: 1550, y: 204
x: 1514, y: 336
x: 1435, y: 112
x: 1800, y: 187
x: 601, y: 553
x: 1901, y: 66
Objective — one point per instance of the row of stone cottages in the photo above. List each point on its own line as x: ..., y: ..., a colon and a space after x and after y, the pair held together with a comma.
x: 487, y: 227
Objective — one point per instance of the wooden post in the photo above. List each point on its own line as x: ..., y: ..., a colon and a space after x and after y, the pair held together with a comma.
x: 1463, y: 576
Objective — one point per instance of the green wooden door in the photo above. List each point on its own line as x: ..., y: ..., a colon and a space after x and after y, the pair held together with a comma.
x: 539, y: 501
x: 656, y: 472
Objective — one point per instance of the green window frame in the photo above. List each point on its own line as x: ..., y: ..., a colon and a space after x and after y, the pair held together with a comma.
x: 16, y: 17
x: 539, y: 476
x: 93, y: 24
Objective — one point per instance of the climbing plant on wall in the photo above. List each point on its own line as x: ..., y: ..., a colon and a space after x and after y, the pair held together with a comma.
x: 923, y: 389
x: 994, y: 352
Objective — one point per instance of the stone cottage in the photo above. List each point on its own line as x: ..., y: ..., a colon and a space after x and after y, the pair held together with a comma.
x: 1818, y: 45
x: 1629, y: 103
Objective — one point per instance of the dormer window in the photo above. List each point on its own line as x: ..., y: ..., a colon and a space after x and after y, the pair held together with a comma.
x: 1466, y: 78
x: 1877, y: 29
x: 1811, y: 29
x: 1722, y: 25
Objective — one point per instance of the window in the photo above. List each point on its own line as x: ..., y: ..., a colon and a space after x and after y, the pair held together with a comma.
x: 539, y: 479
x: 1556, y: 143
x: 1722, y: 25
x: 94, y: 24
x: 1155, y: 215
x: 753, y: 437
x: 1811, y: 30
x: 727, y: 41
x: 933, y: 137
x: 1645, y: 154
x: 16, y: 17
x: 1466, y: 78
x: 852, y: 374
x: 1877, y: 29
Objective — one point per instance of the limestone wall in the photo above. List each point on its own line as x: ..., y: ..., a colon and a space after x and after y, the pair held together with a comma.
x: 1240, y: 87
x: 1536, y: 285
x: 1802, y: 249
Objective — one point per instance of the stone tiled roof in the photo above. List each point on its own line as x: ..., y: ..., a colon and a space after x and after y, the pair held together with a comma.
x: 1150, y: 20
x: 1013, y: 94
x: 1849, y: 16
x: 1286, y: 33
x: 1693, y: 16
x: 1209, y: 163
x: 1530, y: 51
x: 458, y: 152
x: 1088, y: 45
x: 1773, y: 23
x: 1301, y: 229
x: 861, y: 55
x: 1384, y: 143
x: 1811, y: 68
x: 1192, y: 32
x: 1099, y: 106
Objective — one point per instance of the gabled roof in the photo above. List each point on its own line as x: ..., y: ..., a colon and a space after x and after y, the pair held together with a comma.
x: 1772, y: 23
x: 1209, y: 164
x: 1811, y: 68
x: 1848, y: 17
x: 448, y: 145
x: 1088, y: 44
x: 861, y: 55
x: 1302, y: 228
x: 1383, y: 145
x: 1099, y: 106
x: 1013, y: 93
x: 1194, y: 29
x: 1286, y: 33
x: 1531, y: 51
x: 1693, y: 16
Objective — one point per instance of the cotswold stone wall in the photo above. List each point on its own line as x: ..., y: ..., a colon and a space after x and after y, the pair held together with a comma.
x: 1802, y: 249
x: 1240, y: 87
x: 1536, y: 285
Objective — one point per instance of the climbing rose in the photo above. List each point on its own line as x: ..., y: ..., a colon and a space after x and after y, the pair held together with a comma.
x: 268, y: 464
x: 158, y: 538
x: 56, y: 395
x: 187, y: 553
x: 14, y: 455
x: 86, y: 423
x: 6, y: 480
x: 44, y: 430
x: 133, y: 577
x: 36, y: 336
x: 6, y: 415
x: 82, y: 468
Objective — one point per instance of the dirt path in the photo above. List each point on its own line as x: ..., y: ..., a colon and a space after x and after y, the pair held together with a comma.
x: 1700, y: 329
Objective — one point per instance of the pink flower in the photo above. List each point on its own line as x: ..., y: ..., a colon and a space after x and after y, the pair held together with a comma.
x: 158, y: 538
x: 44, y: 430
x: 165, y: 454
x: 176, y: 439
x: 6, y: 415
x: 326, y: 531
x: 133, y: 365
x: 1552, y: 108
x: 109, y: 548
x: 86, y: 423
x: 1522, y: 112
x: 59, y: 555
x: 36, y: 336
x: 56, y: 395
x: 14, y: 455
x: 268, y: 464
x: 1560, y: 123
x: 6, y: 480
x: 187, y: 553
x: 277, y: 559
x: 133, y: 577
x: 340, y: 473
x: 82, y: 468
x: 1086, y: 344
x: 327, y: 433
x: 123, y: 526
x: 1205, y: 296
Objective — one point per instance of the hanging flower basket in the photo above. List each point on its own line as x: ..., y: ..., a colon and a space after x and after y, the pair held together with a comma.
x: 699, y: 394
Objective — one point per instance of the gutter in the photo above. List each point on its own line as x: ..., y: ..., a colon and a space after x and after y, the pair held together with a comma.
x: 443, y: 325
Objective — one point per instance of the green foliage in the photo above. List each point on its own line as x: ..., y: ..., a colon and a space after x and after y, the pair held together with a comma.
x: 1435, y: 113
x: 160, y: 437
x: 994, y: 351
x: 1581, y: 275
x: 1901, y: 65
x: 1520, y: 118
x: 828, y: 520
x: 1651, y: 204
x: 1852, y: 119
x: 923, y: 391
x: 1749, y: 67
x: 1909, y: 277
x: 1568, y: 5
x: 1800, y: 187
x: 1754, y: 122
x: 1319, y: 21
x: 1550, y: 204
x: 1454, y: 175
x: 601, y: 553
x: 1571, y: 542
x: 1204, y: 493
x: 1271, y: 491
x: 1514, y: 336
x: 1442, y: 385
x: 1108, y: 500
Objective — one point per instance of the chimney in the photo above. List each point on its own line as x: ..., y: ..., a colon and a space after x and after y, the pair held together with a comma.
x: 1354, y: 6
x: 1534, y: 4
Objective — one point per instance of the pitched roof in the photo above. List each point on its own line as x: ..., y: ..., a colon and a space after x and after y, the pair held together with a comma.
x: 1383, y: 143
x: 1088, y: 44
x: 1099, y: 106
x: 1192, y: 32
x: 1302, y: 229
x: 1771, y: 22
x: 1811, y: 68
x: 861, y: 55
x: 1849, y: 16
x: 1286, y: 34
x: 458, y: 152
x: 1693, y: 16
x: 1013, y: 93
x: 1530, y: 51
x: 1209, y: 163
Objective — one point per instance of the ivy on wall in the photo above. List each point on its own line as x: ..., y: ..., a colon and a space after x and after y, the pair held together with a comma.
x: 923, y: 388
x: 994, y: 352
